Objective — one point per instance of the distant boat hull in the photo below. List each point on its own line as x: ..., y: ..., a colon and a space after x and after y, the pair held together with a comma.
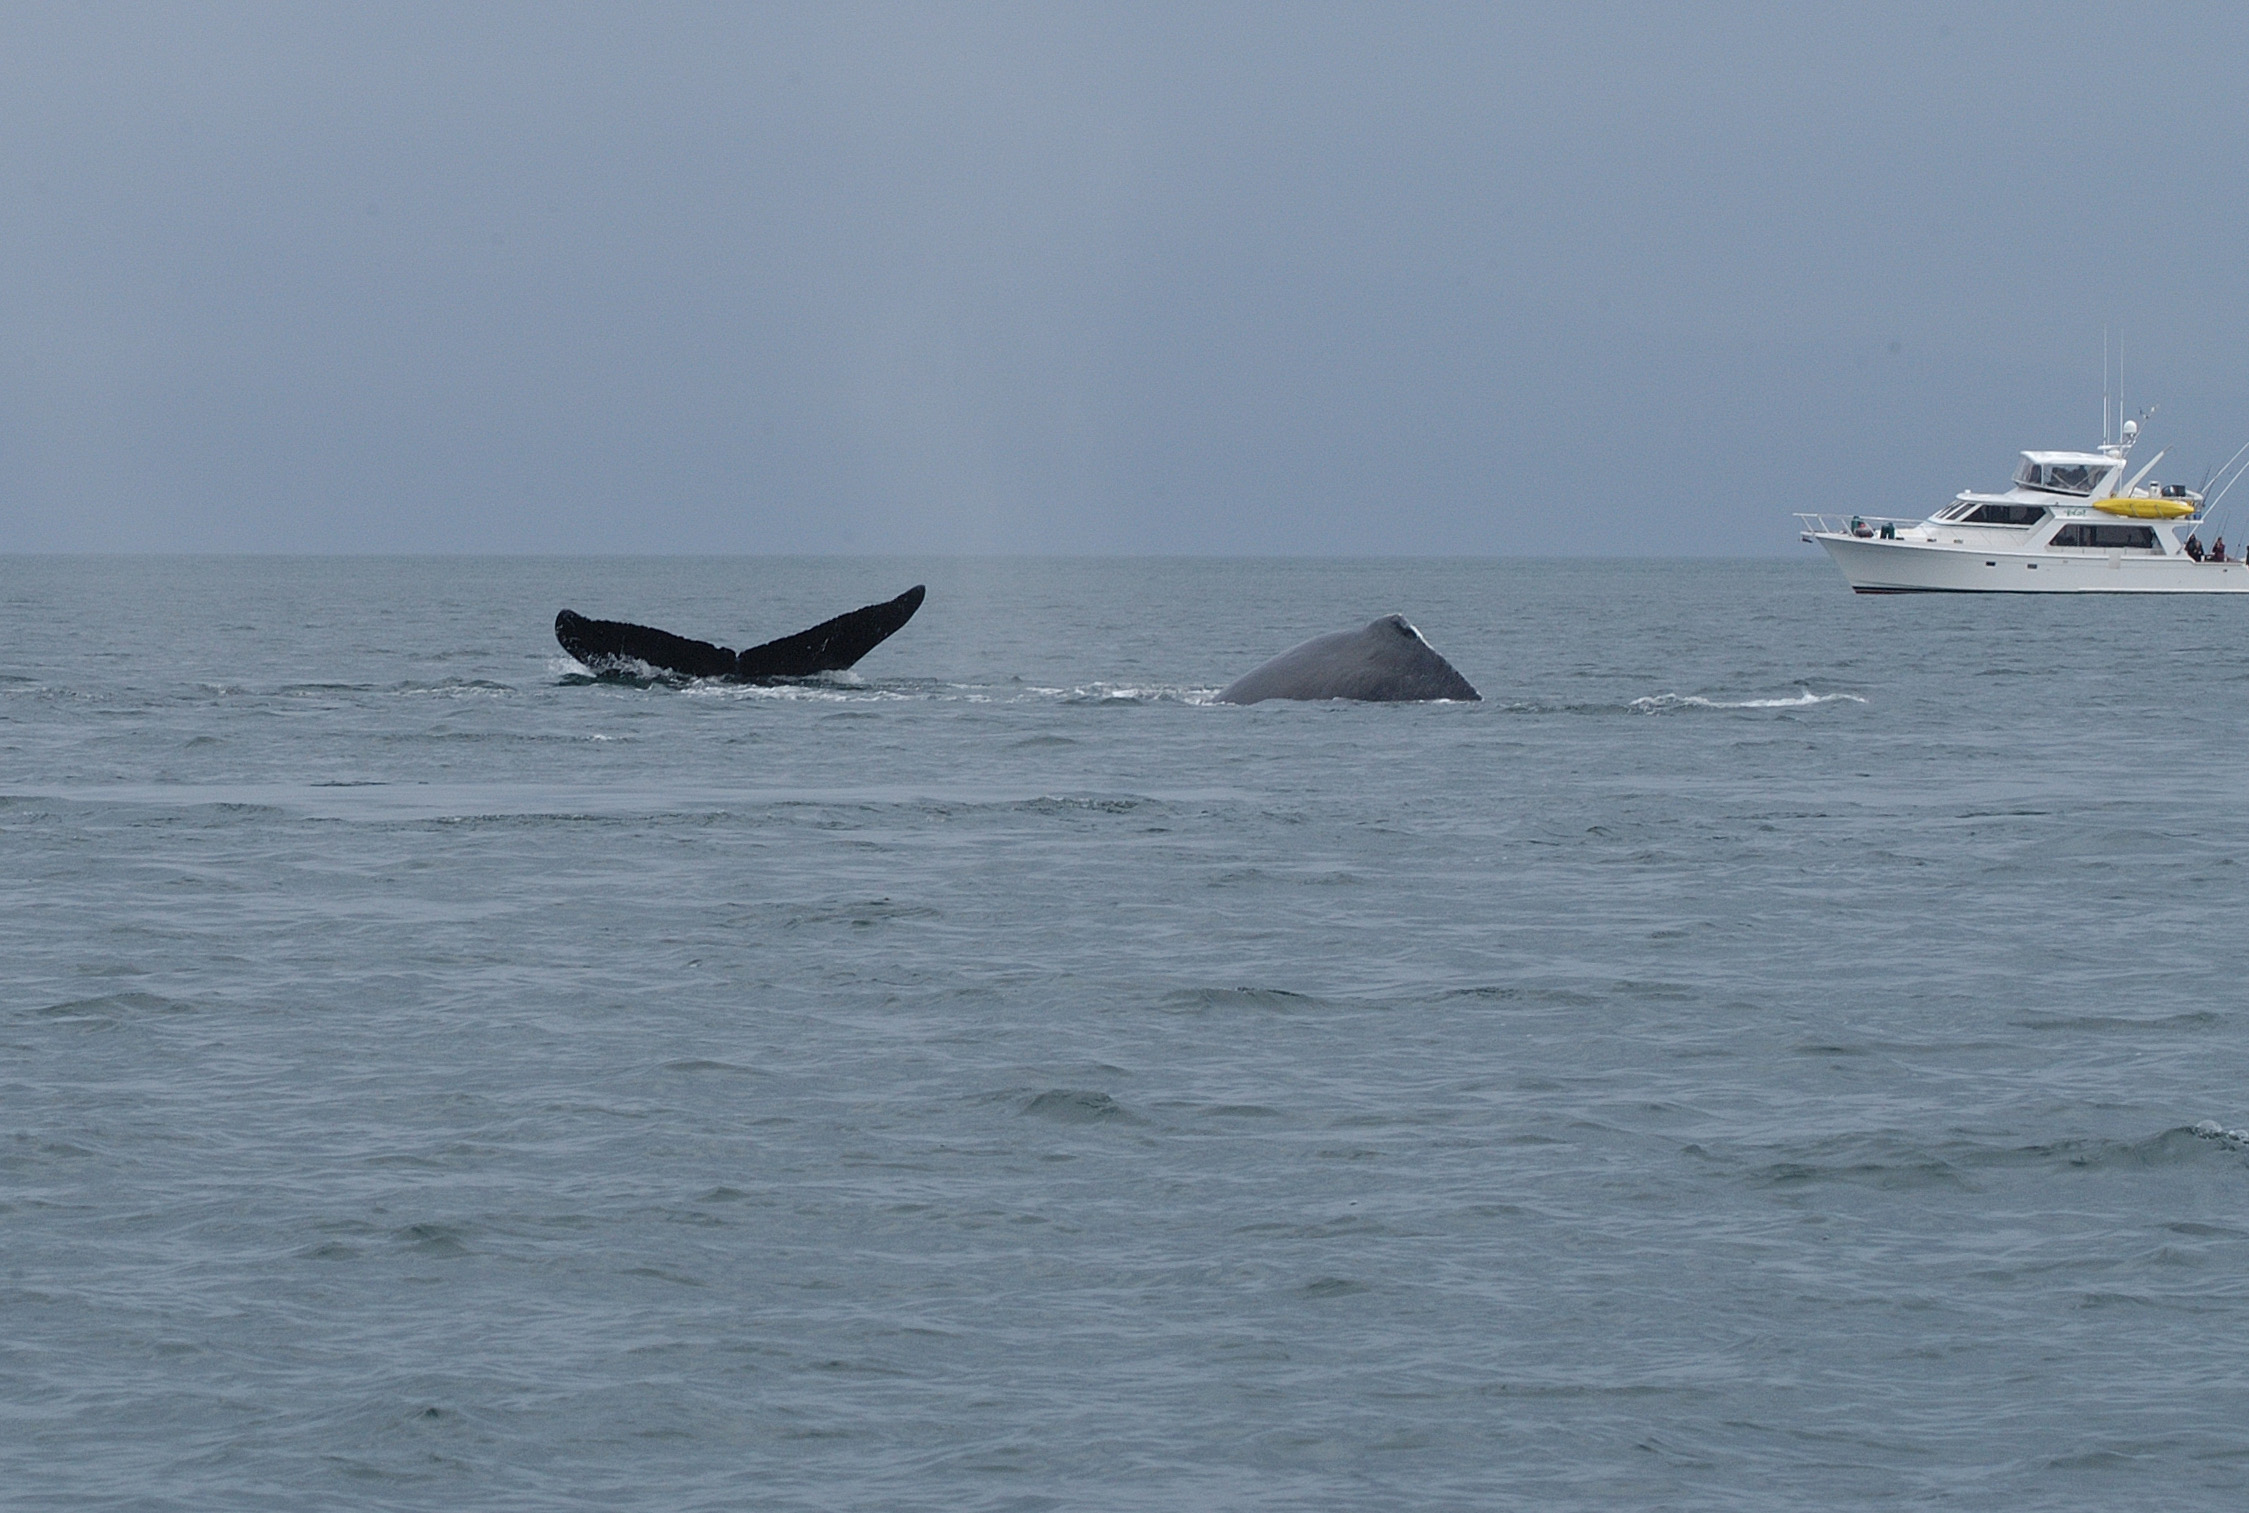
x: 1875, y: 566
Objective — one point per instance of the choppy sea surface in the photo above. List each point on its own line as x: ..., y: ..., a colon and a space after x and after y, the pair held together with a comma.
x: 1780, y: 1050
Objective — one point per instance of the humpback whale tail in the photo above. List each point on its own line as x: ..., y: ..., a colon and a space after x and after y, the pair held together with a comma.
x: 613, y: 646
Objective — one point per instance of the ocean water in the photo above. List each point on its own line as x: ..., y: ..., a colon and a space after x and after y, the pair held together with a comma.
x: 1780, y: 1050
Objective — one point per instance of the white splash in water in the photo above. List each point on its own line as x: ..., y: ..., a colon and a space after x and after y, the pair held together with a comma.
x: 2211, y: 1129
x: 1657, y: 703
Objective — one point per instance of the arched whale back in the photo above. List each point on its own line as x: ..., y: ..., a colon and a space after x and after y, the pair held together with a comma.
x: 611, y: 646
x: 1386, y: 661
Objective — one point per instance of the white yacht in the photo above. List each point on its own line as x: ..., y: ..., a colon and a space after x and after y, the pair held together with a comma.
x: 2067, y: 526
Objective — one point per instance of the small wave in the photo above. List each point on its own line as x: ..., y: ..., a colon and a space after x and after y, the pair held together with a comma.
x: 860, y: 915
x: 1899, y: 1161
x: 1203, y: 999
x: 1084, y: 803
x: 2232, y: 1139
x: 1113, y: 693
x: 453, y: 688
x: 1072, y: 1105
x: 850, y: 687
x: 825, y: 688
x: 812, y: 691
x: 2192, y: 1019
x: 1660, y: 703
x: 1089, y: 694
x: 431, y: 1239
x: 1905, y: 1170
x: 113, y: 1008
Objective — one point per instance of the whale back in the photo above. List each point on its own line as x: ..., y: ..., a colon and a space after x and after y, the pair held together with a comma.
x: 1387, y: 661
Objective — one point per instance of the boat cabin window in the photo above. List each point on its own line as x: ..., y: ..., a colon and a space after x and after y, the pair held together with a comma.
x: 2061, y: 477
x: 2005, y: 514
x: 2130, y: 537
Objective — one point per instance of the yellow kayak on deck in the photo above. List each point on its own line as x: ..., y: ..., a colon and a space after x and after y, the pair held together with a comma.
x: 2146, y: 509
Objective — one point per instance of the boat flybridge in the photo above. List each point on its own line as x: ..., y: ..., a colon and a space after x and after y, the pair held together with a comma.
x: 2071, y: 524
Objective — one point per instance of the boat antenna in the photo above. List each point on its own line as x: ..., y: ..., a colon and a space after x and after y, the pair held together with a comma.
x: 2220, y: 470
x: 2211, y: 501
x: 2218, y: 497
x: 2104, y: 386
x: 2212, y: 504
x: 2201, y: 491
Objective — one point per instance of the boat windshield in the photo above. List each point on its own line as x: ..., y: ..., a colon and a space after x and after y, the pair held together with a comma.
x: 2061, y: 477
x: 2005, y: 514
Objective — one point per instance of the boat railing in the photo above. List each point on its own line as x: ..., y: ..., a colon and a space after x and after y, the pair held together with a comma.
x: 1842, y: 525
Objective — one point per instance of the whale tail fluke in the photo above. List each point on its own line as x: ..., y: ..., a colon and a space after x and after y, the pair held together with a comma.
x: 832, y: 645
x: 614, y: 646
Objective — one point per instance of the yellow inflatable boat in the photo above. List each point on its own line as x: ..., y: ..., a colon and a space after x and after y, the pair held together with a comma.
x: 2146, y: 509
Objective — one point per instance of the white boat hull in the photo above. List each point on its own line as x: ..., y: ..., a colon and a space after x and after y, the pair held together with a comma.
x: 1875, y: 566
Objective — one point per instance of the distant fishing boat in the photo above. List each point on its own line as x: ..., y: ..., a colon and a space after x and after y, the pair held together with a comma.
x: 2066, y: 526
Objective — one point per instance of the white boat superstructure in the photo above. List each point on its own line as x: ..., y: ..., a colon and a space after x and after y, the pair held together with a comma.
x: 2071, y: 523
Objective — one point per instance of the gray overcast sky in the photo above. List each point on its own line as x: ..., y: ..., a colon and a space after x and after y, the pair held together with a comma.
x: 1281, y: 278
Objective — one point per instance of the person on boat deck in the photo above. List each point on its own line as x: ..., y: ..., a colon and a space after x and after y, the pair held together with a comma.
x: 2218, y: 550
x: 2194, y: 546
